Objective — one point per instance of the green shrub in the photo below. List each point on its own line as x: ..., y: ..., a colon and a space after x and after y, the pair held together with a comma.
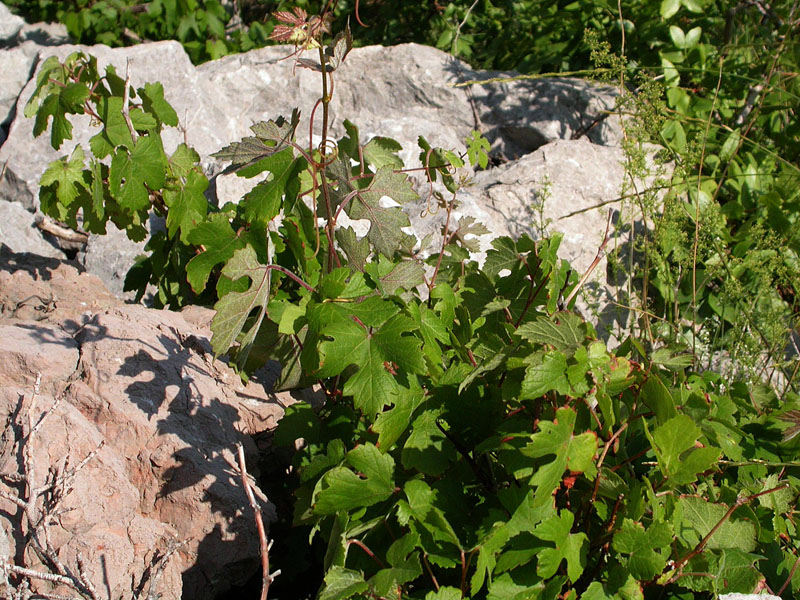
x: 477, y: 440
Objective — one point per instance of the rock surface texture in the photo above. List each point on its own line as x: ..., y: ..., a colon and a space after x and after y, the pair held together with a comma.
x: 143, y: 383
x: 133, y: 389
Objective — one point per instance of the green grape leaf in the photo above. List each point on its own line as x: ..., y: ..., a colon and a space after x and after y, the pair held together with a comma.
x: 350, y: 142
x: 342, y: 44
x: 439, y: 162
x: 133, y: 173
x: 621, y: 585
x: 234, y: 308
x: 445, y: 593
x: 115, y: 129
x: 50, y: 71
x: 382, y: 152
x: 570, y: 451
x: 385, y: 222
x: 468, y: 226
x: 737, y: 572
x: 116, y: 84
x: 378, y: 346
x: 392, y: 423
x: 220, y: 242
x: 67, y: 175
x: 698, y: 517
x: 657, y: 398
x: 153, y: 102
x: 545, y: 371
x: 332, y: 284
x: 100, y: 146
x: 184, y: 160
x: 427, y: 449
x: 697, y: 461
x: 526, y: 516
x: 94, y: 214
x: 672, y: 440
x: 569, y: 547
x: 432, y: 330
x: 72, y: 96
x: 673, y: 359
x: 649, y: 550
x: 263, y: 202
x: 487, y: 366
x: 404, y: 566
x: 61, y: 128
x: 270, y: 137
x: 502, y: 255
x: 339, y: 170
x: 562, y: 331
x: 142, y: 121
x: 187, y: 204
x: 341, y: 583
x: 478, y: 149
x: 778, y: 501
x: 404, y: 275
x: 342, y: 489
x: 356, y: 250
x: 518, y: 585
x: 61, y: 101
x: 421, y: 507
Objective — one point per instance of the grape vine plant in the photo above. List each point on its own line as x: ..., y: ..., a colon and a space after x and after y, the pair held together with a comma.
x: 478, y: 440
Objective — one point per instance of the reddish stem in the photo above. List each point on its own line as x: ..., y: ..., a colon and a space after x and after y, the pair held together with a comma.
x: 369, y: 552
x: 287, y: 272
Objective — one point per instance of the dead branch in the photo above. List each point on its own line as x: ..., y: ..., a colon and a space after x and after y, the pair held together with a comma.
x: 126, y: 101
x: 266, y: 576
x: 40, y: 506
x: 48, y: 225
x: 601, y: 251
x: 158, y: 568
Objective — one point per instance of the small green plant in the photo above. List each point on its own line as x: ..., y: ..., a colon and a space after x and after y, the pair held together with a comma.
x: 477, y: 440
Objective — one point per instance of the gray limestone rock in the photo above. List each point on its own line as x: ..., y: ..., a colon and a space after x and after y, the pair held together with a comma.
x: 563, y: 186
x: 110, y: 256
x: 18, y: 231
x: 10, y: 25
x: 44, y: 34
x: 16, y: 67
x: 567, y: 186
x: 738, y: 596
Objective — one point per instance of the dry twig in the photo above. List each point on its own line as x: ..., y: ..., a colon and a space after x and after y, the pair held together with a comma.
x: 266, y: 577
x: 40, y: 506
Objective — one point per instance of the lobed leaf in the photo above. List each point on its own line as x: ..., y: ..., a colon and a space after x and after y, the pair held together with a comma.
x: 270, y: 137
x: 234, y: 308
x: 569, y: 547
x: 187, y: 204
x: 570, y: 451
x: 67, y: 175
x: 385, y: 221
x: 341, y: 489
x: 218, y: 240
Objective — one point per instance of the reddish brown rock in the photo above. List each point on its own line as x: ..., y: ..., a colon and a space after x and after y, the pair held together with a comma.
x: 144, y: 383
